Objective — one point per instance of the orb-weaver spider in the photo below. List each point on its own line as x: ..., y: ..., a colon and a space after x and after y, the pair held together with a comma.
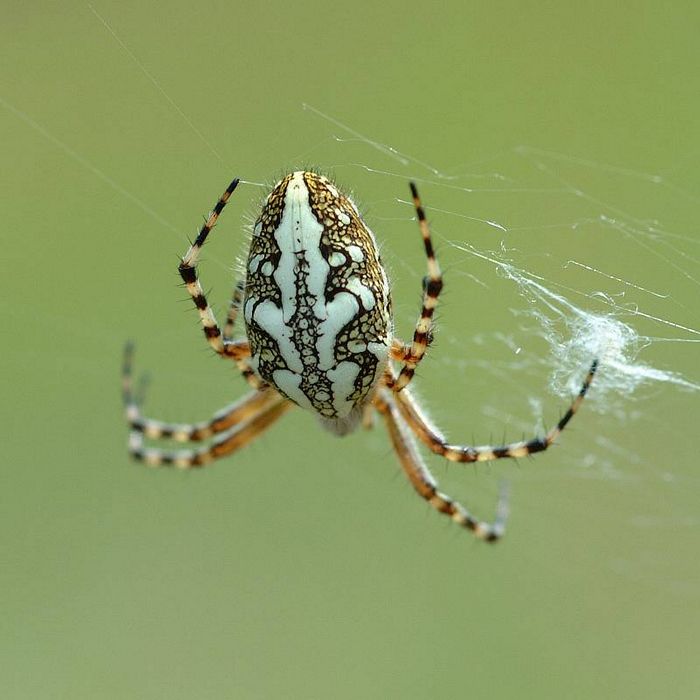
x: 319, y: 334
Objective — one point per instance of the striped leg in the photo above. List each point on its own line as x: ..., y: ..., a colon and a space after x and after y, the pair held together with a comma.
x: 236, y: 413
x: 188, y: 273
x: 220, y: 343
x: 412, y: 354
x: 233, y: 309
x: 223, y: 444
x: 423, y: 481
x: 435, y: 441
x: 230, y: 345
x: 248, y: 372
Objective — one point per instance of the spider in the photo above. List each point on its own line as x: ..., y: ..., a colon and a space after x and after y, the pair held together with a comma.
x: 319, y: 335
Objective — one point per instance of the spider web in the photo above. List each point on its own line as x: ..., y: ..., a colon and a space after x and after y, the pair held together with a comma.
x: 596, y: 313
x: 550, y: 259
x: 574, y: 283
x: 551, y: 232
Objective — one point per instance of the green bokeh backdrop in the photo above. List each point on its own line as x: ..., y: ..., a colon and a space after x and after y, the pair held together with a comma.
x: 304, y: 567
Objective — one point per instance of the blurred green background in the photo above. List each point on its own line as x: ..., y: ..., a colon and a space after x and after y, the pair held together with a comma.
x: 305, y: 567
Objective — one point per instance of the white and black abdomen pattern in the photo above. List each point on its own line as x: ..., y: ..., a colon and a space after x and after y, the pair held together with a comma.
x: 317, y: 307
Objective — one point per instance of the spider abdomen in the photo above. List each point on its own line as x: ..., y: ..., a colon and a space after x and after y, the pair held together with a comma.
x: 317, y: 306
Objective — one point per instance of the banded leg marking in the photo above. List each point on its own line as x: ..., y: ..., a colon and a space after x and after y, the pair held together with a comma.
x: 436, y: 442
x: 233, y: 309
x: 188, y: 272
x: 230, y: 345
x: 425, y: 484
x: 239, y: 352
x: 432, y: 286
x: 223, y: 444
x: 237, y: 412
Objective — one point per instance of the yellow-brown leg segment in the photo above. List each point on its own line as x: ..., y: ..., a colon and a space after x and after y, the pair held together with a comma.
x: 424, y: 483
x: 227, y: 417
x: 233, y: 309
x: 239, y: 352
x: 223, y: 444
x: 230, y: 345
x: 429, y: 436
x: 412, y: 354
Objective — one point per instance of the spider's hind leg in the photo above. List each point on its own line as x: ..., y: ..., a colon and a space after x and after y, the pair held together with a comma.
x: 416, y: 419
x: 425, y: 484
x: 236, y: 413
x: 226, y: 442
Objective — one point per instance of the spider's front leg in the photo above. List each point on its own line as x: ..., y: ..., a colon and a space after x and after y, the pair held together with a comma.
x: 188, y: 272
x: 411, y: 355
x: 222, y: 344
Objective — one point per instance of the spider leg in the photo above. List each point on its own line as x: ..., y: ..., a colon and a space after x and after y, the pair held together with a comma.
x: 423, y: 481
x: 227, y: 417
x: 435, y: 441
x: 412, y: 354
x: 239, y: 350
x: 233, y: 309
x: 188, y: 272
x: 224, y: 443
x: 221, y: 344
x: 368, y: 414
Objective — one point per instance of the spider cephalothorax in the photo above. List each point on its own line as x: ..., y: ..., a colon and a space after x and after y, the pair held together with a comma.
x: 319, y: 334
